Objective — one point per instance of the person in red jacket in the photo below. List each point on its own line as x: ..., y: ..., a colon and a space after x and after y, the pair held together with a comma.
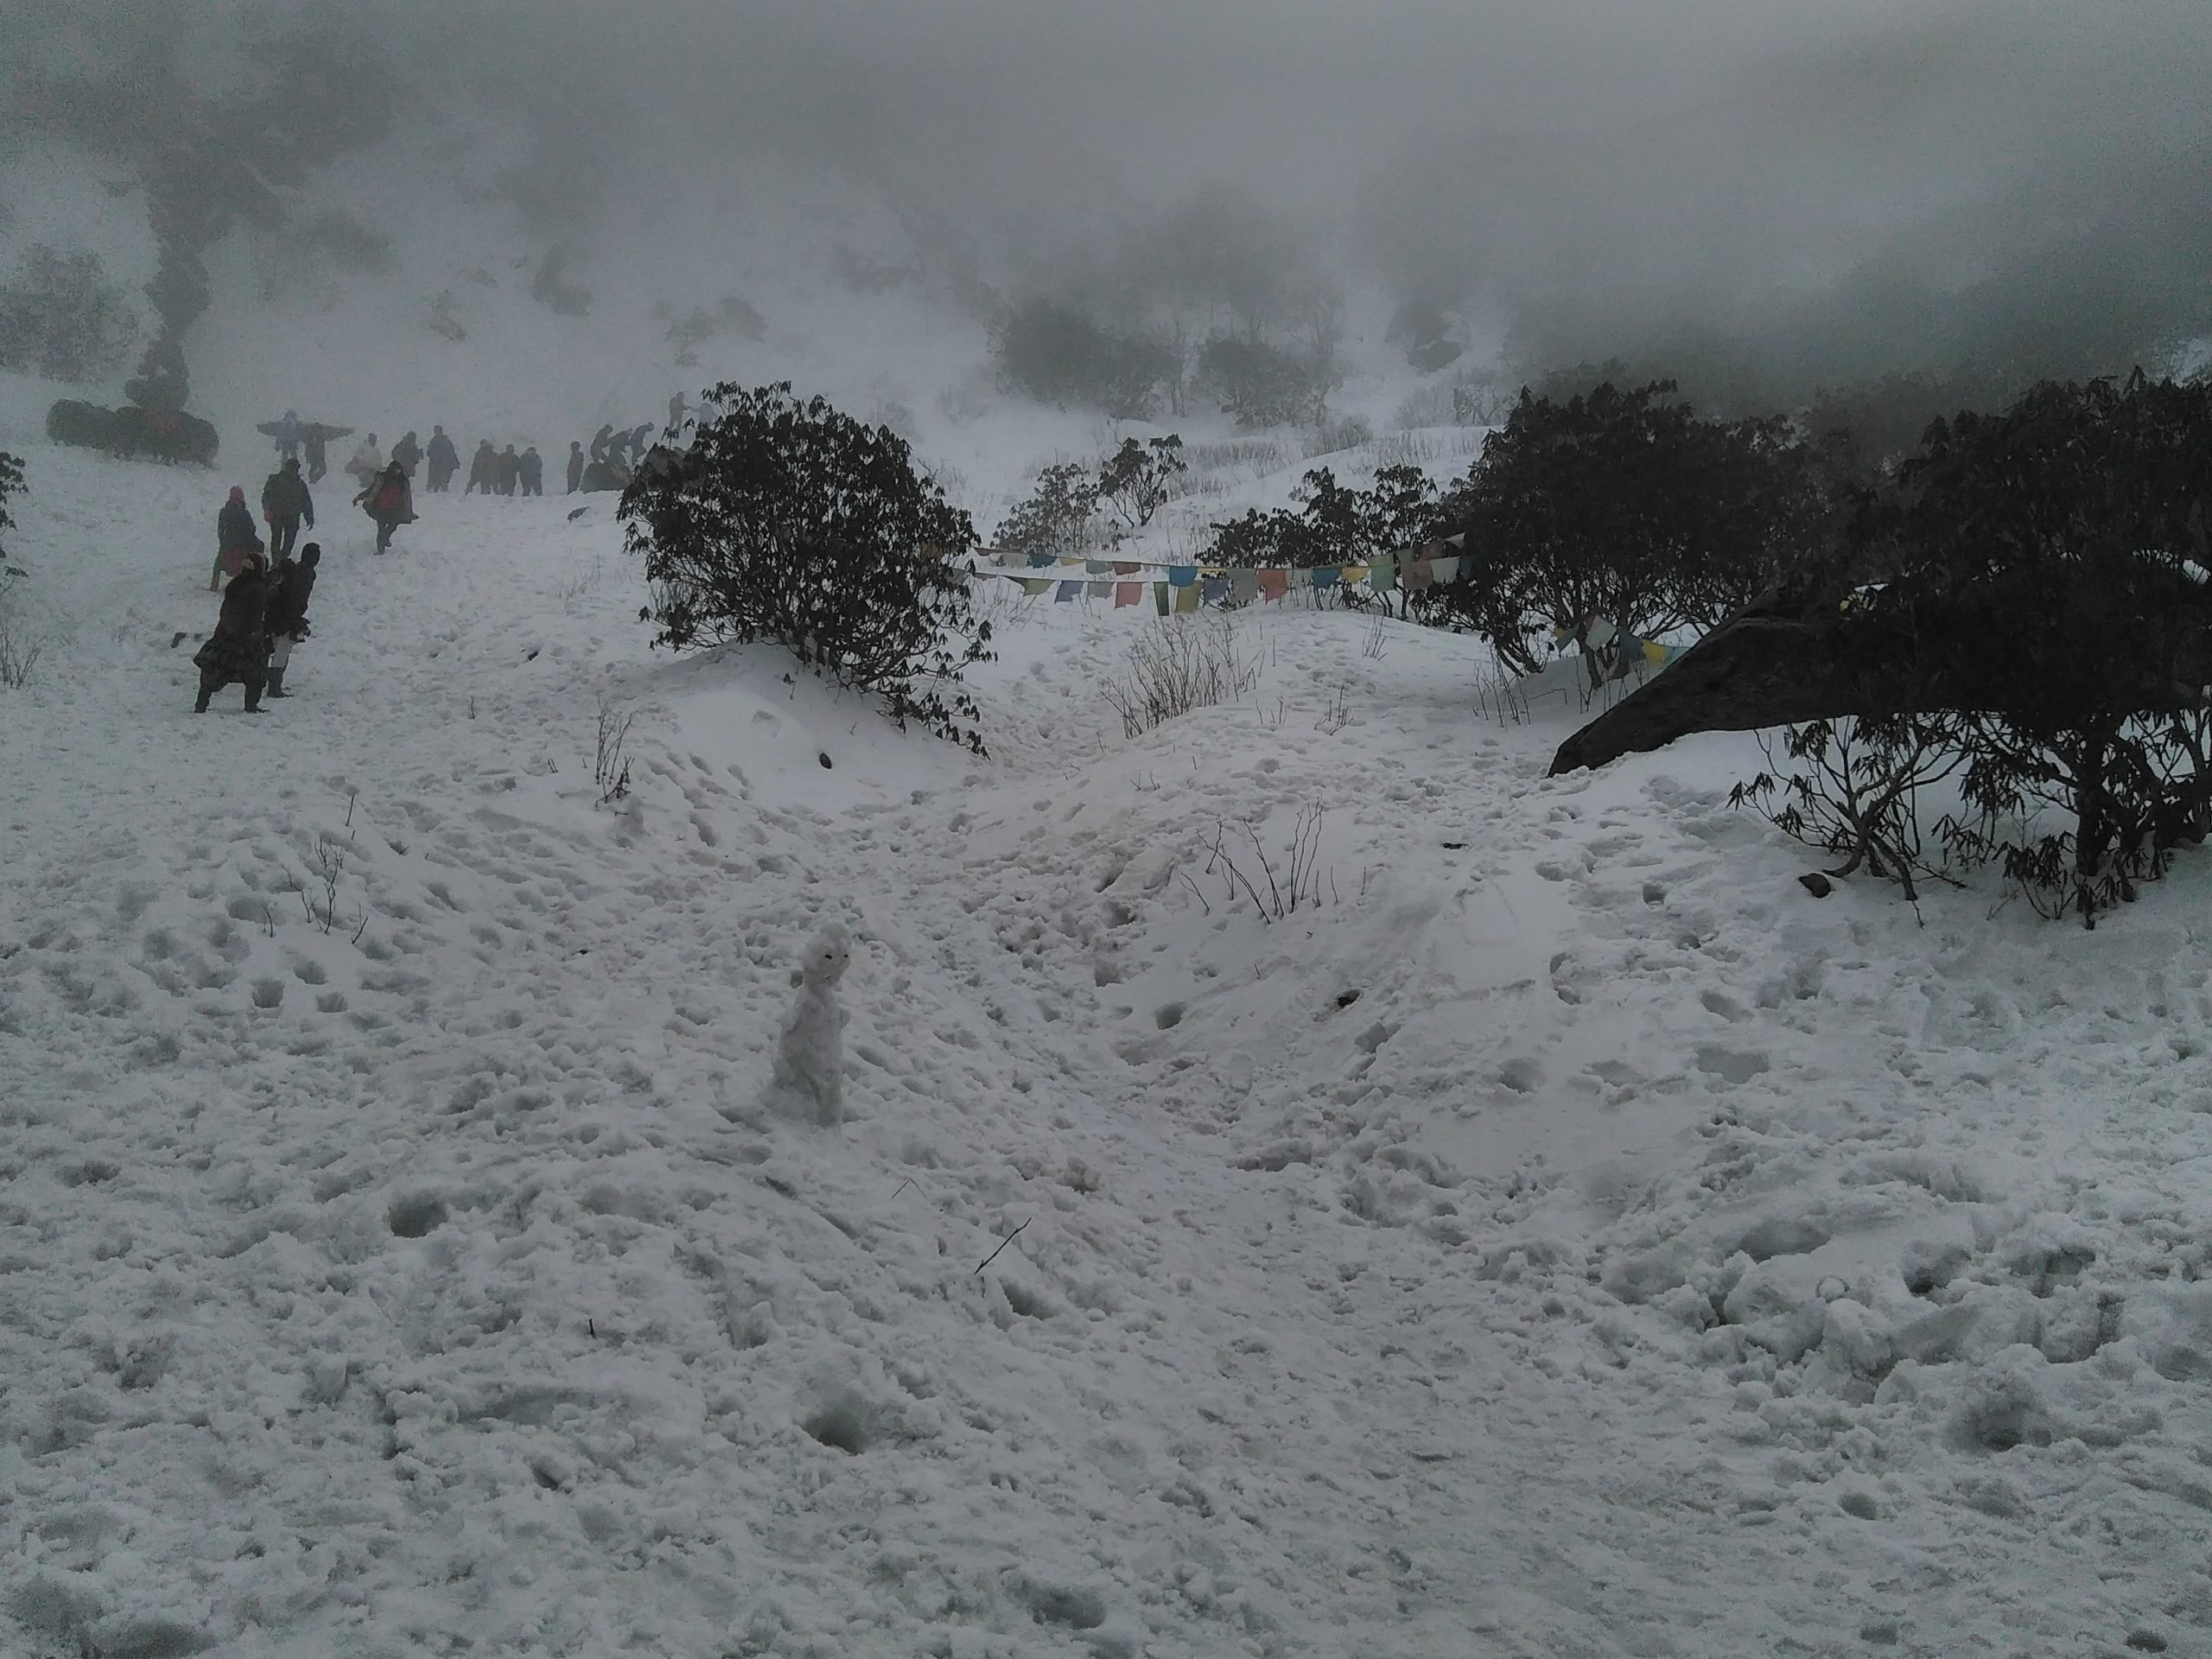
x: 389, y: 501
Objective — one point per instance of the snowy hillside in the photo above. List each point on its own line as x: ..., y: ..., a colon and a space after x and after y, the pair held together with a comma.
x: 1563, y: 1237
x: 403, y: 293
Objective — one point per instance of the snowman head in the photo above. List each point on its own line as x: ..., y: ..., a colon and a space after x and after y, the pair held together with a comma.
x: 825, y: 959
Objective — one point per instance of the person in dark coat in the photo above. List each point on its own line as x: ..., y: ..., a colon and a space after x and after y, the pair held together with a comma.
x: 483, y: 468
x: 284, y: 502
x: 533, y: 472
x: 575, y: 468
x: 640, y: 440
x: 677, y: 411
x: 408, y: 452
x: 290, y: 586
x: 318, y: 448
x: 239, y: 649
x: 510, y: 470
x: 389, y: 501
x: 444, y: 459
x: 600, y: 439
x: 235, y: 537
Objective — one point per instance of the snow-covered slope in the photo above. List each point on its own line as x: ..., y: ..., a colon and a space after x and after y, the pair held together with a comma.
x: 1566, y: 1237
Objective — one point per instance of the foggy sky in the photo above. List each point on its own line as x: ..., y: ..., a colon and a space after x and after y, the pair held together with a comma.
x: 1843, y: 184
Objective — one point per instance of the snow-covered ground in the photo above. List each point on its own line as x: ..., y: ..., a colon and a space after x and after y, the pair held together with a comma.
x: 1566, y: 1237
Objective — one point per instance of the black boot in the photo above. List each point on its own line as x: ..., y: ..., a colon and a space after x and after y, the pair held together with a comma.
x: 277, y: 683
x: 253, y: 698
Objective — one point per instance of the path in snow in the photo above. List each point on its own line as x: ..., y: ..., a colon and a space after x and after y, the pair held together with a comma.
x: 1568, y: 1239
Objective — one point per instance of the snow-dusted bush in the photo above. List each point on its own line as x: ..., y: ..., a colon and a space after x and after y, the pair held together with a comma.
x: 790, y: 521
x: 2048, y: 645
x: 1139, y: 479
x: 1056, y: 517
x: 61, y: 317
x: 1334, y: 525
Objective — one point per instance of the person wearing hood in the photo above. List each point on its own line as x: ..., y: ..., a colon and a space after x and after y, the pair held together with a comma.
x: 483, y: 468
x: 408, y: 452
x: 444, y: 459
x: 239, y: 649
x: 576, y: 467
x: 389, y: 501
x: 367, y: 462
x: 531, y: 471
x: 235, y: 537
x: 284, y: 502
x: 290, y: 586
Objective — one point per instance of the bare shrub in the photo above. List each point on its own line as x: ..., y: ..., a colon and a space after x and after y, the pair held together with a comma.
x: 1175, y: 667
x: 1852, y: 787
x: 19, y: 652
x: 1276, y: 890
x: 610, y: 767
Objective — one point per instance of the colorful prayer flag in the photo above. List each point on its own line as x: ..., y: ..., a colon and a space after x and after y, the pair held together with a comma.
x: 1244, y: 586
x: 1215, y: 589
x: 1327, y: 575
x: 1446, y: 570
x: 1182, y: 576
x: 1035, y: 585
x: 1160, y: 591
x: 1273, y: 583
x: 1067, y: 590
x: 1127, y: 593
x: 1097, y: 589
x: 1098, y: 567
x: 1187, y: 600
x: 1383, y: 575
x: 1417, y: 575
x: 1126, y: 567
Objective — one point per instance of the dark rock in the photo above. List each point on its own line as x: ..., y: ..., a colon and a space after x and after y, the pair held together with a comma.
x: 1816, y: 884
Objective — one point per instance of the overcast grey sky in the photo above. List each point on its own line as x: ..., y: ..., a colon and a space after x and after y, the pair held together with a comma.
x: 1849, y: 179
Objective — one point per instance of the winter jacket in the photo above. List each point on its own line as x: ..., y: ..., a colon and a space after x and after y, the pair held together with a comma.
x: 483, y: 467
x: 510, y: 470
x: 234, y: 528
x: 408, y: 453
x: 367, y: 461
x: 600, y: 440
x: 285, y: 496
x: 239, y: 649
x: 441, y: 455
x: 290, y: 590
x: 531, y: 466
x: 388, y: 499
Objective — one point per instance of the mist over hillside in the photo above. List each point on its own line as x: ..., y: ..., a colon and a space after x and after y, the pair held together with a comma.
x: 1763, y: 202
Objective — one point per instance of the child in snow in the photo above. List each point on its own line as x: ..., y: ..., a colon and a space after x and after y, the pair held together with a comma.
x: 808, y: 1084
